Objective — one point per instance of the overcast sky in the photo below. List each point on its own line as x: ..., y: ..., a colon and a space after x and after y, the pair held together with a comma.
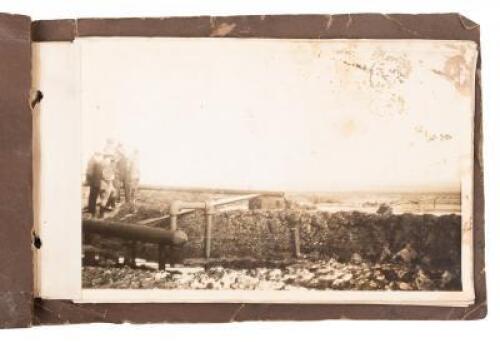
x: 281, y: 114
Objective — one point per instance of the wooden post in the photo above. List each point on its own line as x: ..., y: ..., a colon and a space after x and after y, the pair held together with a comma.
x: 296, y: 241
x: 89, y: 258
x: 161, y: 256
x: 130, y: 260
x: 209, y: 215
x: 208, y: 234
x: 174, y: 211
x: 293, y: 220
x: 173, y: 223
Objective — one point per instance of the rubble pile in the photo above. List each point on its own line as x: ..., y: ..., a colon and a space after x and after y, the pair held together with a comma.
x: 267, y: 234
x: 305, y: 274
x: 339, y: 250
x: 260, y: 233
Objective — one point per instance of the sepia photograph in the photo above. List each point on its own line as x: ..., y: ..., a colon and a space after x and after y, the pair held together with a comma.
x: 279, y: 170
x: 276, y: 166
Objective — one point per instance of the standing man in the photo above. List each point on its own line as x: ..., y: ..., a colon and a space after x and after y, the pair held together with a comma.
x: 93, y: 179
x: 120, y: 172
x: 132, y: 177
x: 108, y: 192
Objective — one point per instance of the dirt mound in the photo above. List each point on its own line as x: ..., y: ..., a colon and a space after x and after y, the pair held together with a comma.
x: 267, y: 234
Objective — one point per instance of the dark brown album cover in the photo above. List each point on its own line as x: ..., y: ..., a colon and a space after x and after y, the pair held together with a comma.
x: 220, y: 169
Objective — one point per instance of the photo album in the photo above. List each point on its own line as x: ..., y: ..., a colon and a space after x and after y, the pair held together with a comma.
x: 218, y: 169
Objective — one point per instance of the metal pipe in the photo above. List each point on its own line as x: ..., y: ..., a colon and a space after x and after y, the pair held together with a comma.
x: 161, y: 257
x: 131, y: 255
x: 229, y: 200
x: 161, y: 218
x: 208, y: 235
x: 134, y: 232
x: 173, y: 222
x: 180, y: 208
x: 174, y: 211
x: 193, y: 205
x: 209, y: 214
x: 296, y: 241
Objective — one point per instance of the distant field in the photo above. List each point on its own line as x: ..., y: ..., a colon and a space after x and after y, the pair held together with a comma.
x: 415, y: 203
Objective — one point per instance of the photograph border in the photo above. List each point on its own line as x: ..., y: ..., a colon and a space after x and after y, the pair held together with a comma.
x: 445, y: 26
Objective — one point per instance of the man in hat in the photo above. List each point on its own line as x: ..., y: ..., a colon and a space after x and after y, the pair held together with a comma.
x: 120, y: 172
x: 93, y: 179
x: 132, y: 178
x: 107, y: 188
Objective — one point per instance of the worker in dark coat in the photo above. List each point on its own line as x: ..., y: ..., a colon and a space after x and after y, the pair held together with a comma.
x: 108, y: 191
x: 93, y: 179
x: 120, y: 173
x: 132, y: 178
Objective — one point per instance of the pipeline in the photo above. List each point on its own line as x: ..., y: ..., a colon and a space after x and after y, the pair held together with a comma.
x: 178, y: 208
x: 210, y: 207
x: 134, y: 232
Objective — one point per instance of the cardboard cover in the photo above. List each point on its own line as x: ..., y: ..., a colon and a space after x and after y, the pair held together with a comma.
x: 15, y: 156
x: 16, y: 212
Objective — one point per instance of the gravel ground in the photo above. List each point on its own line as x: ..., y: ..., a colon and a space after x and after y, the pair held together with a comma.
x: 321, y: 275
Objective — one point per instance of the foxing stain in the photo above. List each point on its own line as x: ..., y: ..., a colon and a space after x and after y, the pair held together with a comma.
x: 458, y: 72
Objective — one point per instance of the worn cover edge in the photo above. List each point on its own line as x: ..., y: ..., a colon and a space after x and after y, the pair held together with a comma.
x: 375, y: 26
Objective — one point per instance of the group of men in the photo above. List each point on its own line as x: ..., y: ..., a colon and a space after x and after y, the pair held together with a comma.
x: 109, y: 173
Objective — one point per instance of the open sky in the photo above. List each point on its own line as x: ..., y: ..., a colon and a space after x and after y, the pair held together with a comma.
x: 299, y: 115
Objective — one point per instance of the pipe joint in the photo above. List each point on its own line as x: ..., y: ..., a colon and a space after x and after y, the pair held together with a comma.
x: 175, y: 207
x: 210, y: 208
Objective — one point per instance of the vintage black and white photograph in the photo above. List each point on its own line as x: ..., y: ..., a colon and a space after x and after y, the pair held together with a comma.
x: 283, y: 166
